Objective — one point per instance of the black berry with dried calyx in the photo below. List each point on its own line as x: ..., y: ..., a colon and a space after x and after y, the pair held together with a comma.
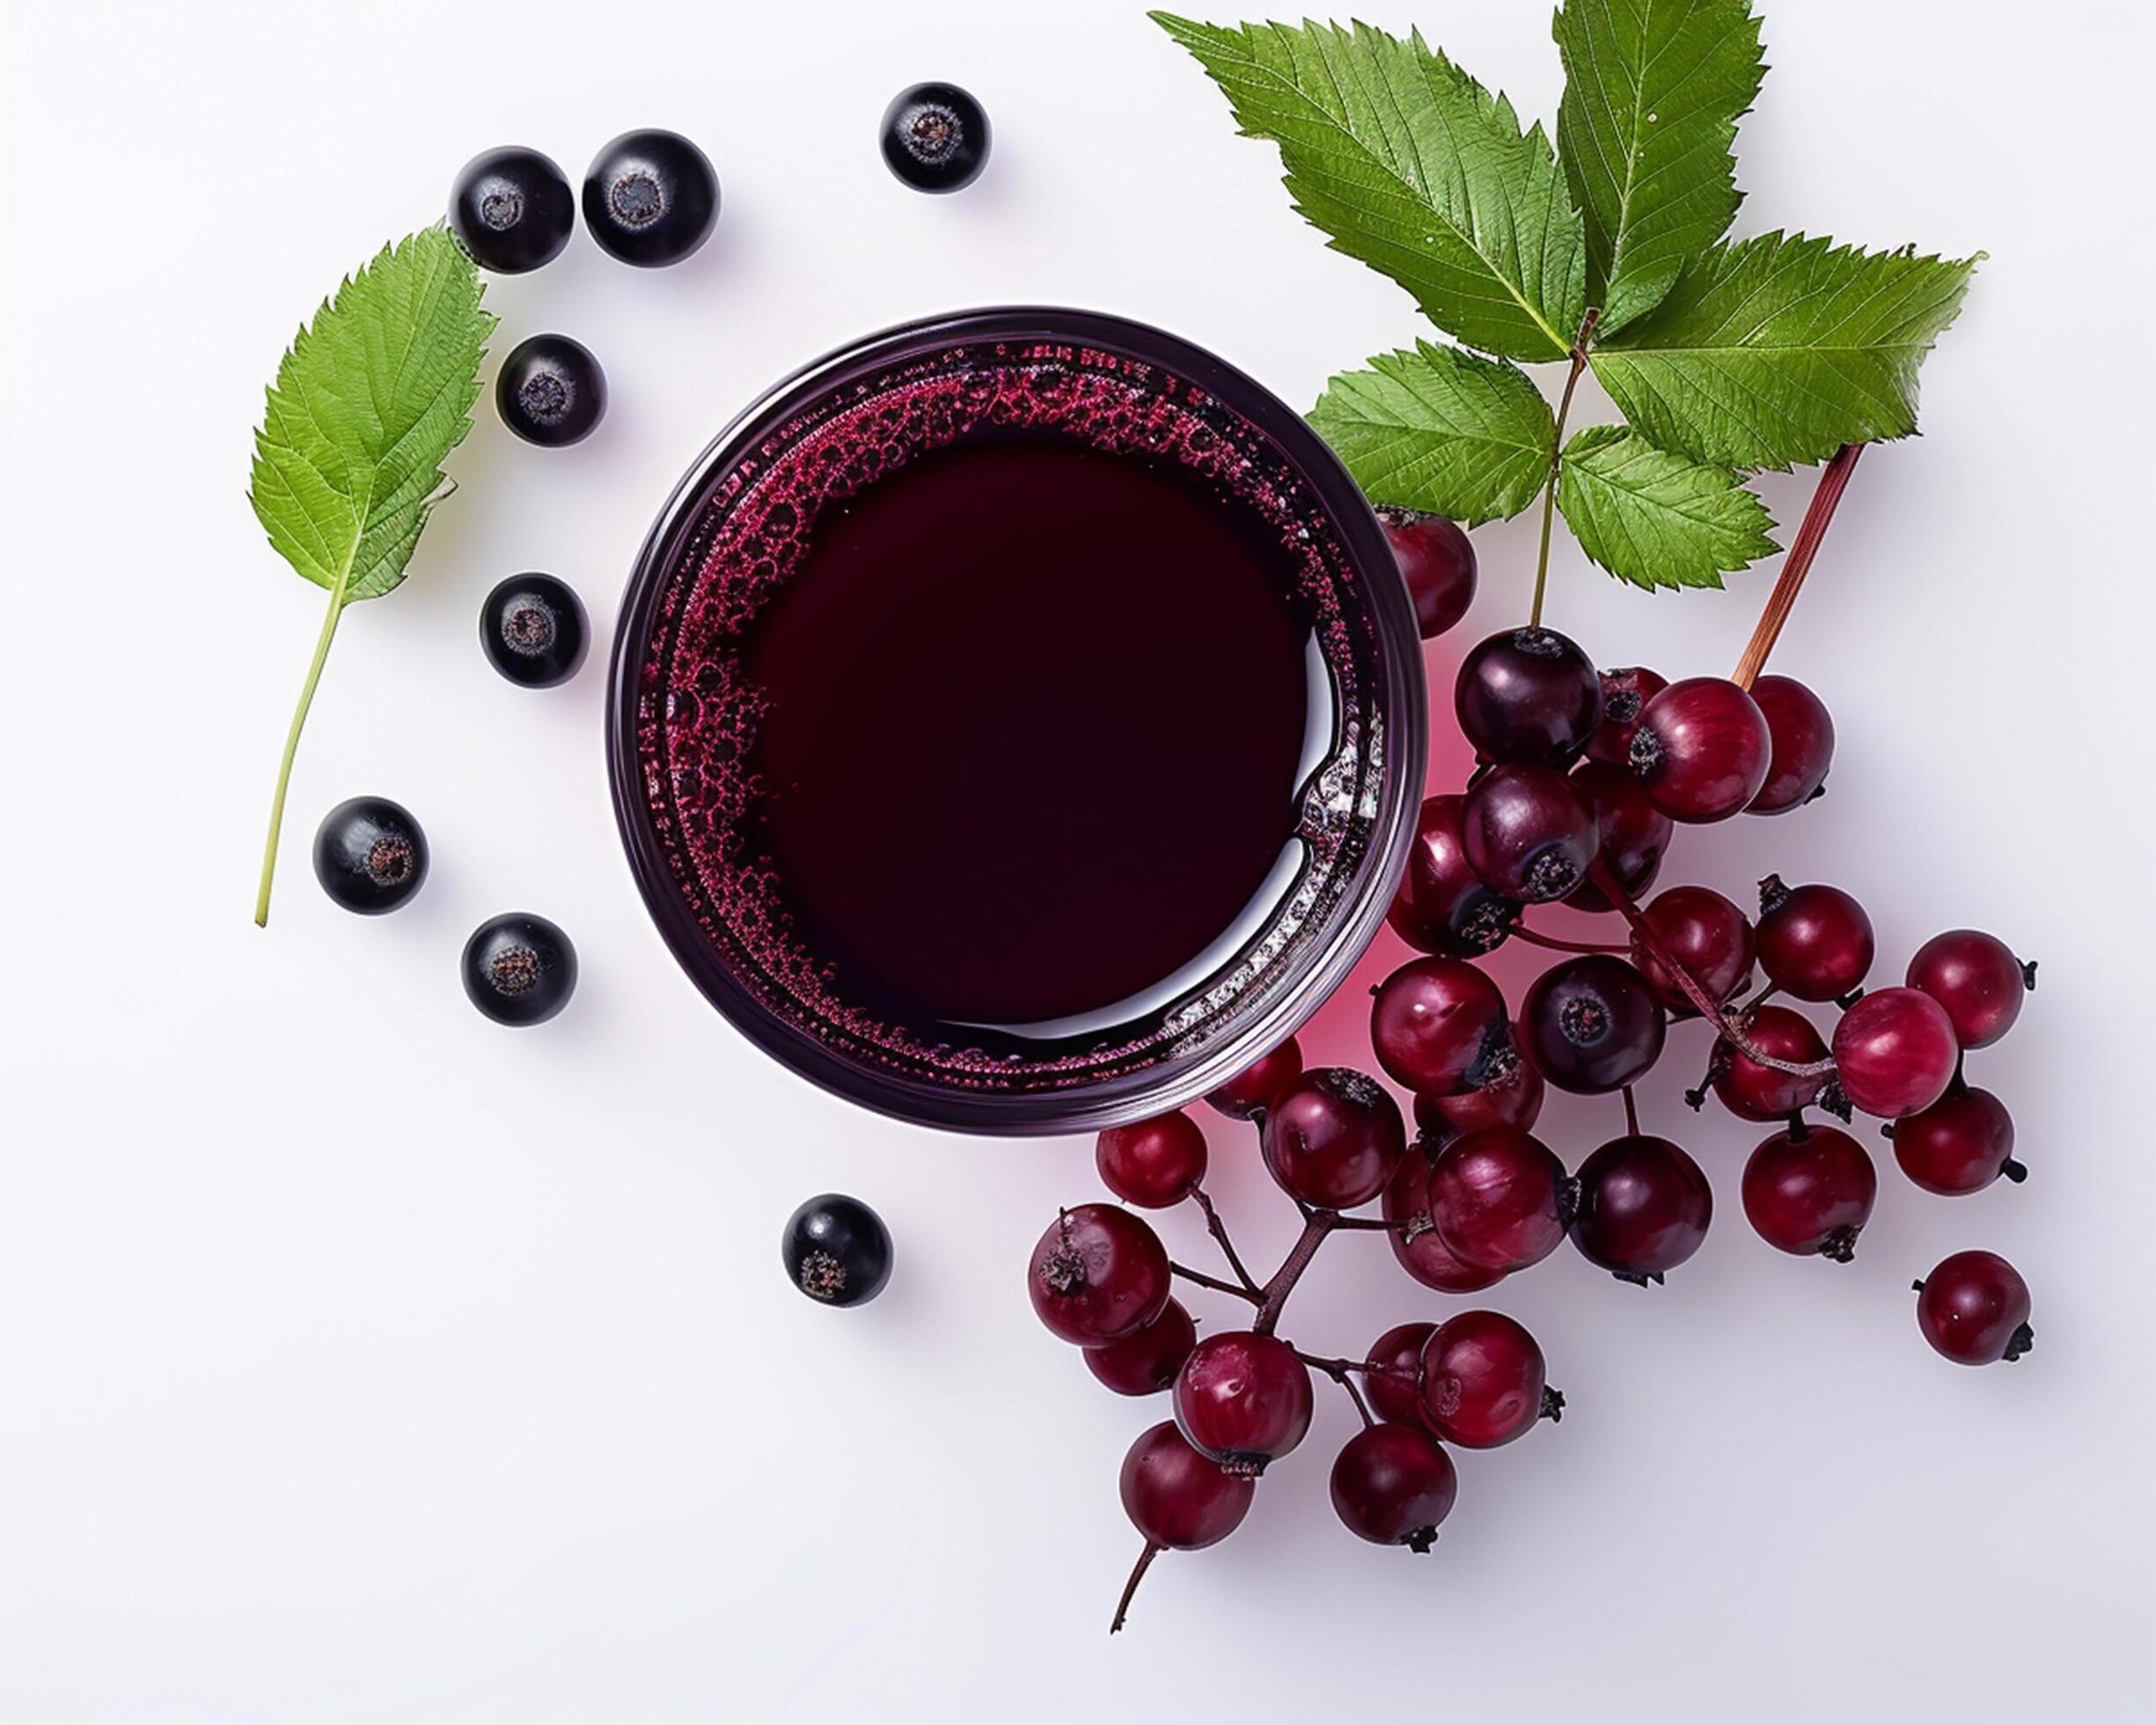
x: 836, y: 1251
x: 519, y: 969
x: 369, y: 855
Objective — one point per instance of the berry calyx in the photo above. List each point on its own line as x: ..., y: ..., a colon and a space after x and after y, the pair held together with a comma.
x: 1243, y: 1400
x: 1895, y: 1053
x: 1625, y: 693
x: 369, y: 855
x: 1974, y: 1308
x: 512, y: 210
x: 1440, y: 1027
x: 935, y: 137
x: 1151, y: 1163
x: 1333, y: 1138
x: 1977, y: 979
x: 1816, y: 943
x: 1529, y: 833
x: 1255, y: 1089
x: 1809, y: 1190
x: 1499, y: 1199
x: 1643, y: 1207
x: 836, y: 1251
x: 1528, y: 694
x: 651, y: 198
x: 1701, y: 749
x: 1592, y: 1025
x: 1099, y: 1273
x: 1959, y: 1144
x: 1145, y: 1361
x: 1443, y: 907
x: 1483, y: 1382
x: 518, y: 968
x: 1800, y: 733
x: 1392, y: 1486
x: 1437, y: 560
x: 1704, y: 933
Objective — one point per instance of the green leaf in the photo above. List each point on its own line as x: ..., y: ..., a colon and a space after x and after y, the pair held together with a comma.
x: 1780, y: 351
x: 1655, y: 518
x: 1653, y: 90
x: 368, y: 401
x: 1411, y: 165
x: 1440, y: 430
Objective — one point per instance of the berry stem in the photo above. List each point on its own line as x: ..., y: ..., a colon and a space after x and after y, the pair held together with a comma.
x: 1375, y: 1224
x: 292, y: 737
x: 1337, y: 1372
x: 1216, y: 1283
x: 1321, y: 1223
x: 1138, y: 1574
x: 1557, y: 459
x: 1555, y: 943
x: 1832, y: 482
x: 1631, y: 1114
x: 1709, y: 1008
x: 1219, y: 1230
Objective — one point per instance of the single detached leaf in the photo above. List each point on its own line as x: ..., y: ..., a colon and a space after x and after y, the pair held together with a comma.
x: 1411, y: 165
x: 1440, y: 430
x: 368, y: 403
x: 1655, y: 518
x: 1780, y: 351
x: 1653, y: 90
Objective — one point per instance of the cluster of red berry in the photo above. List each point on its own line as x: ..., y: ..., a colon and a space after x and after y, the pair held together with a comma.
x: 1582, y: 778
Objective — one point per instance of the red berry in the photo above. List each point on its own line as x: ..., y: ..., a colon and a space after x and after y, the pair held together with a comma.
x: 1397, y: 1395
x: 1440, y: 1027
x: 1499, y: 1198
x: 1810, y: 1189
x: 1974, y: 1308
x: 1146, y: 1363
x: 1707, y: 935
x: 1701, y: 749
x: 1528, y: 694
x: 1643, y: 1209
x: 1959, y: 1144
x: 1176, y: 1497
x: 1253, y: 1089
x: 1625, y: 693
x: 1151, y: 1163
x: 1592, y: 1025
x: 1243, y: 1400
x: 1098, y: 1274
x: 1978, y: 980
x: 1483, y: 1381
x: 1801, y: 732
x: 1814, y: 942
x: 1392, y: 1485
x: 1529, y: 834
x: 1895, y: 1053
x: 1443, y: 905
x: 1514, y: 1098
x: 1632, y: 834
x: 1333, y: 1138
x: 1755, y: 1092
x: 1438, y: 562
x: 1425, y: 1255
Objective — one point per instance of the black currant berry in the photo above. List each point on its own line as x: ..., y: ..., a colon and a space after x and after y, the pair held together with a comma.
x: 551, y: 392
x: 369, y: 855
x: 836, y: 1251
x: 513, y: 209
x: 519, y: 969
x: 534, y: 630
x: 935, y: 137
x: 651, y: 198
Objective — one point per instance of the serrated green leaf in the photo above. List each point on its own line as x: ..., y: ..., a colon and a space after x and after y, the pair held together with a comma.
x: 368, y: 403
x: 1440, y: 430
x: 1653, y: 90
x: 1655, y: 518
x: 1780, y: 351
x: 1410, y: 165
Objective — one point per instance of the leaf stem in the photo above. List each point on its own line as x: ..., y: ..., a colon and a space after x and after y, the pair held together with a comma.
x: 291, y: 738
x: 1832, y: 482
x: 1557, y: 448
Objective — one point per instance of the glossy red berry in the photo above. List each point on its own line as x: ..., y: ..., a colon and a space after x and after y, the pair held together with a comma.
x: 1437, y: 560
x: 1397, y: 1394
x: 1625, y: 693
x: 1254, y: 1090
x: 1392, y: 1485
x: 1800, y: 733
x: 1528, y: 694
x: 1810, y: 1189
x: 1643, y: 1207
x: 1974, y: 1308
x: 1442, y: 906
x: 1243, y: 1400
x: 1483, y: 1382
x: 1098, y: 1274
x: 1701, y: 749
x: 1632, y: 834
x: 1592, y: 1025
x: 1511, y: 1098
x: 1145, y: 1361
x: 1959, y: 1144
x: 1895, y: 1053
x: 1499, y: 1199
x: 1177, y: 1498
x: 1529, y: 834
x: 1151, y: 1163
x: 1333, y: 1138
x: 1816, y: 943
x: 1752, y: 1091
x: 1422, y: 1250
x: 1439, y: 1026
x: 1704, y: 933
x: 1978, y: 980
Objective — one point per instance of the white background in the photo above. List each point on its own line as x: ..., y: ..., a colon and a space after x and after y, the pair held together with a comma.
x: 359, y: 1360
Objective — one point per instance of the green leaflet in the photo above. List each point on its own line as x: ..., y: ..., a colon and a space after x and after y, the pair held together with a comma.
x: 1412, y: 167
x: 1440, y: 430
x: 1652, y: 91
x: 1655, y: 518
x: 1780, y: 351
